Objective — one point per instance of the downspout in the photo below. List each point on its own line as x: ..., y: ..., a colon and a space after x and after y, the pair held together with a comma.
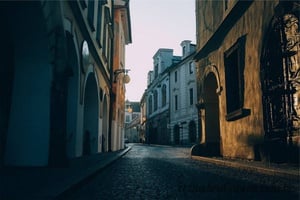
x: 112, y: 95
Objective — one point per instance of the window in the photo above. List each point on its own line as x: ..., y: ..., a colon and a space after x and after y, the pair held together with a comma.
x: 99, y: 23
x: 155, y: 100
x: 191, y: 68
x: 234, y: 59
x: 176, y: 102
x: 164, y: 95
x: 226, y: 4
x: 108, y: 53
x: 156, y: 71
x: 91, y: 12
x: 150, y: 104
x: 183, y: 51
x: 191, y: 96
x: 106, y: 31
x: 175, y: 76
x: 104, y: 43
x: 192, y: 131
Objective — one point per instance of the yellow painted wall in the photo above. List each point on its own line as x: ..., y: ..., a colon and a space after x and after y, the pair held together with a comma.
x: 238, y: 137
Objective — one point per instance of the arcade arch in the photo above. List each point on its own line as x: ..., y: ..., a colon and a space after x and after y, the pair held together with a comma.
x: 91, y: 116
x: 25, y: 85
x: 211, y: 120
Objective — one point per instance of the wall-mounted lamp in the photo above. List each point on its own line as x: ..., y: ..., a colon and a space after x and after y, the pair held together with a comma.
x: 129, y: 109
x: 122, y: 73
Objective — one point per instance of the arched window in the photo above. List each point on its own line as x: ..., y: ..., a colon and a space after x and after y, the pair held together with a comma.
x: 155, y: 100
x: 192, y: 131
x: 150, y: 104
x: 164, y: 95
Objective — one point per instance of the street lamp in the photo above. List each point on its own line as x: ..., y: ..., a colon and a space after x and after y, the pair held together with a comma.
x: 122, y: 73
x: 129, y: 109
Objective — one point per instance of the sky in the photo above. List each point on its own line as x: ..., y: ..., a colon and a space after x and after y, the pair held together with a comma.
x: 155, y: 24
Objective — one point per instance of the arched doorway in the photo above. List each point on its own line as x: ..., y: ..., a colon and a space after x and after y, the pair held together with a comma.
x: 152, y: 133
x: 105, y: 138
x: 192, y: 131
x: 26, y: 85
x: 199, y: 127
x: 164, y: 134
x: 176, y: 134
x: 91, y: 116
x: 211, y: 106
x: 73, y: 96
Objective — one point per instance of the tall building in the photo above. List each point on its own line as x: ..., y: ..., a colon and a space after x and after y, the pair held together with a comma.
x: 56, y: 76
x: 183, y: 123
x: 248, y: 59
x: 122, y: 37
x: 158, y: 97
x: 168, y: 106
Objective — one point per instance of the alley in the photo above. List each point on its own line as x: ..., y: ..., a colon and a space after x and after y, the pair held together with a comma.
x: 163, y: 172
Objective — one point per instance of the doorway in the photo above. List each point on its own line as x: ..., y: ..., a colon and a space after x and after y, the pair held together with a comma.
x: 212, y: 121
x: 91, y: 115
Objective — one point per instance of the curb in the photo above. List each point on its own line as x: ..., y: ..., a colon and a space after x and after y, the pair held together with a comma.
x: 268, y: 171
x: 92, y: 172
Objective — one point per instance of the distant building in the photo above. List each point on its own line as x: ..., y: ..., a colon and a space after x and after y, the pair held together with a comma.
x: 248, y: 61
x: 143, y: 118
x: 183, y: 98
x: 169, y: 113
x: 158, y: 101
x: 132, y: 121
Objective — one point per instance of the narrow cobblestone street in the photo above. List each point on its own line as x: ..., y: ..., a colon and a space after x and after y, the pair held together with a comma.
x: 163, y: 172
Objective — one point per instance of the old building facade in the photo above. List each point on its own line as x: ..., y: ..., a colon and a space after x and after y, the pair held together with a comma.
x: 158, y: 97
x: 56, y: 80
x: 143, y: 118
x: 122, y: 35
x: 132, y: 122
x: 183, y: 98
x: 247, y: 71
x: 169, y: 113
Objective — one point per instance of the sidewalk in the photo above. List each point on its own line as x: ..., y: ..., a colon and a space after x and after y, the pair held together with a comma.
x: 48, y: 183
x: 286, y: 170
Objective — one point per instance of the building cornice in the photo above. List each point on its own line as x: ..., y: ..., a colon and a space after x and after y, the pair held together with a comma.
x: 123, y: 6
x: 182, y: 62
x: 217, y: 38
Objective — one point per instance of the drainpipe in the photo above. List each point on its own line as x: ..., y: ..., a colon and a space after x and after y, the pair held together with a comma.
x: 112, y: 95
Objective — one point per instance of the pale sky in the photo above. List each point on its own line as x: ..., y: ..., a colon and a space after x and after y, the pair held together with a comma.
x: 155, y: 24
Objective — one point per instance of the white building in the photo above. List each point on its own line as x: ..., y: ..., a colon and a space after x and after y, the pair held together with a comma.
x: 183, y: 98
x: 157, y: 94
x: 170, y: 99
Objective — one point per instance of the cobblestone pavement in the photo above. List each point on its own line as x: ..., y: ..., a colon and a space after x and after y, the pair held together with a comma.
x: 162, y: 172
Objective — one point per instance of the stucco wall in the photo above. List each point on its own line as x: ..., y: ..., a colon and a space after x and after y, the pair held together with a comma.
x: 238, y: 137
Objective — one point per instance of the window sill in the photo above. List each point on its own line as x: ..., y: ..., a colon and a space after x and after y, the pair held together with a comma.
x: 238, y: 114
